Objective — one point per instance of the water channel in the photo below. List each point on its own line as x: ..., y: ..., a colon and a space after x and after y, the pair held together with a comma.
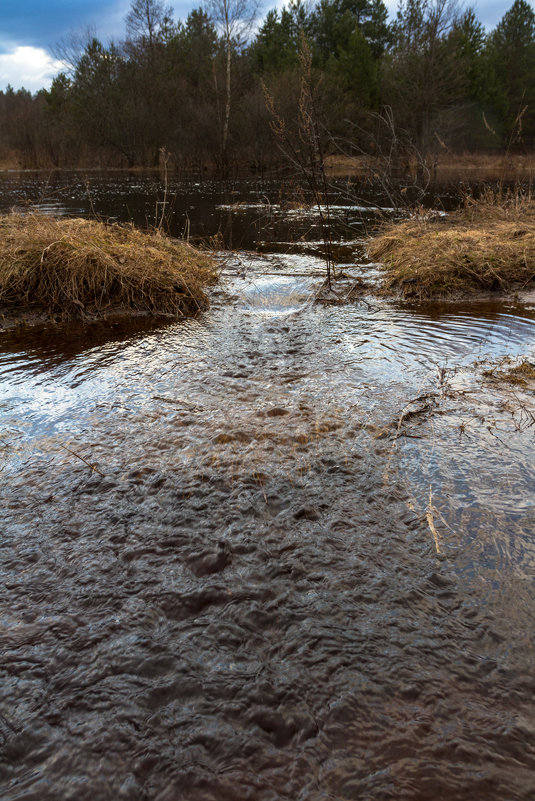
x: 282, y: 550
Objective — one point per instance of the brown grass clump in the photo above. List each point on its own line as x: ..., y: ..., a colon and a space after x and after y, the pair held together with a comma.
x: 78, y: 268
x: 522, y: 374
x: 487, y: 246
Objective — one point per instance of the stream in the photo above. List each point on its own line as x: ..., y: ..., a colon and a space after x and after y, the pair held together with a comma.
x: 282, y: 550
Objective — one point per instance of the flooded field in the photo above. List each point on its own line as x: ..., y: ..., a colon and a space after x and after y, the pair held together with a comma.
x: 283, y: 550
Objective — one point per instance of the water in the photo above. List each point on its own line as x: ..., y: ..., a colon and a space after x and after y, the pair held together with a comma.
x: 264, y: 216
x: 279, y: 551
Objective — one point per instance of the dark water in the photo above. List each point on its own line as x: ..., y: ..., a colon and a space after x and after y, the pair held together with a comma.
x: 301, y: 566
x: 266, y: 216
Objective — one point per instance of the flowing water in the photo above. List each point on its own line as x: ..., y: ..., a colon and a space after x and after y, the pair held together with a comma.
x: 282, y: 550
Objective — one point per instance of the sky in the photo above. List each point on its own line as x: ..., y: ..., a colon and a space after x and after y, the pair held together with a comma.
x: 29, y: 30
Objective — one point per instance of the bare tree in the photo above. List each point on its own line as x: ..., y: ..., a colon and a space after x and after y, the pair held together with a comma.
x: 146, y: 19
x: 234, y: 20
x: 70, y: 48
x: 423, y: 76
x: 303, y: 148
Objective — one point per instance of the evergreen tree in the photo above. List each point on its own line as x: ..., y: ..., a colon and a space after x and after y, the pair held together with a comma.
x: 423, y: 82
x: 468, y: 39
x: 510, y: 55
x: 276, y: 46
x: 335, y: 21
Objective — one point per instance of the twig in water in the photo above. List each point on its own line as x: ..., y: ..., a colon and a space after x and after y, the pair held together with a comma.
x: 164, y: 158
x: 430, y: 520
x: 178, y: 401
x: 93, y: 212
x: 406, y: 413
x: 93, y: 467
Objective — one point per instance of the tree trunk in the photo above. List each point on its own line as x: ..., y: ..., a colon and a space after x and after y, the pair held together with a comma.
x: 224, y: 142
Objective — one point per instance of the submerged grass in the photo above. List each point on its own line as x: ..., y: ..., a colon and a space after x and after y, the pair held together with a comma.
x: 79, y: 268
x: 487, y: 246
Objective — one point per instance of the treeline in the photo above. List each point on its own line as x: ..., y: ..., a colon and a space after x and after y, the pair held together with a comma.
x: 207, y: 91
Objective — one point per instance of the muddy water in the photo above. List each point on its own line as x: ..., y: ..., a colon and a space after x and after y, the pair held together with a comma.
x: 279, y: 551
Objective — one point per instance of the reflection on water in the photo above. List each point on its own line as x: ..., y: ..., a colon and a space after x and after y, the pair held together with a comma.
x: 219, y: 579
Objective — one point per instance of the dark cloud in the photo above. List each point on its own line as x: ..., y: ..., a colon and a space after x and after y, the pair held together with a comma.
x: 41, y: 24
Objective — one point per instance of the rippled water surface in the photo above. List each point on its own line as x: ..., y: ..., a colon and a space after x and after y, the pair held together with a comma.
x: 279, y: 551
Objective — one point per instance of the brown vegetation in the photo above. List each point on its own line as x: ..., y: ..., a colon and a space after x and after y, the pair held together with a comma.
x: 79, y: 268
x: 480, y: 167
x: 522, y: 374
x: 487, y: 246
x: 471, y: 168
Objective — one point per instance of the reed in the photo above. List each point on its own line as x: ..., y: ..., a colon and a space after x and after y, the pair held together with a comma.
x: 79, y: 268
x: 486, y: 246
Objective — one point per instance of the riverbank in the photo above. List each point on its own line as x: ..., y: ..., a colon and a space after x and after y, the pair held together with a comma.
x: 449, y: 168
x: 56, y: 269
x: 442, y: 169
x: 486, y: 247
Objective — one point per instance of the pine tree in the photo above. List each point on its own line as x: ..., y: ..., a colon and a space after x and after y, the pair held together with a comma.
x: 510, y: 57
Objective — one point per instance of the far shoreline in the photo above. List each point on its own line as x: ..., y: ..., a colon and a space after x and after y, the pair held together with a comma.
x: 442, y: 168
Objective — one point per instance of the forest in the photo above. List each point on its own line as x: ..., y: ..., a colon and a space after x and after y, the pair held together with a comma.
x: 215, y: 91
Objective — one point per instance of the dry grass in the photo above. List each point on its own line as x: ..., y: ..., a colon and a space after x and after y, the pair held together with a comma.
x: 522, y: 374
x: 450, y: 168
x: 487, y: 246
x: 78, y: 267
x: 476, y: 167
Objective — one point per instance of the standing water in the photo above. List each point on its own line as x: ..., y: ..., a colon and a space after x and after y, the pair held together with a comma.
x: 279, y: 551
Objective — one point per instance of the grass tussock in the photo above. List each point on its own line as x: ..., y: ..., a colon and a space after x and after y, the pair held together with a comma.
x: 522, y: 374
x: 487, y: 246
x: 78, y: 268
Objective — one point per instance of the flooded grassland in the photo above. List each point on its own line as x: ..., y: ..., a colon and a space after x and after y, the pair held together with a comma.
x: 280, y: 550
